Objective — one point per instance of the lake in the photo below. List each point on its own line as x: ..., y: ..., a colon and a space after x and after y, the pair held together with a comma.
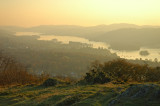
x: 153, y: 53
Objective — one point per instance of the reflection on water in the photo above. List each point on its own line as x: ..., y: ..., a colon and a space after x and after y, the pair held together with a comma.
x: 154, y: 53
x: 67, y: 39
x: 26, y: 33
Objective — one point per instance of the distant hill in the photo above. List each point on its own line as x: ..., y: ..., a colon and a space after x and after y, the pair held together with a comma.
x: 72, y: 30
x: 131, y: 38
x: 120, y: 36
x: 12, y: 28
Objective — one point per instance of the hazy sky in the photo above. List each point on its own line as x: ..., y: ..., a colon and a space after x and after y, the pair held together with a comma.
x: 79, y: 12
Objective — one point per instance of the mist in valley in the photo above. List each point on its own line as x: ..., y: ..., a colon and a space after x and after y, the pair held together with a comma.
x: 69, y: 50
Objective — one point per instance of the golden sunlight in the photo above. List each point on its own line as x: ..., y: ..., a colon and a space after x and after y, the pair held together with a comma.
x: 79, y: 12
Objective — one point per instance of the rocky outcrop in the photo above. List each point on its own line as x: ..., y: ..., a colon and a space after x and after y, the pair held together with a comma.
x: 150, y: 92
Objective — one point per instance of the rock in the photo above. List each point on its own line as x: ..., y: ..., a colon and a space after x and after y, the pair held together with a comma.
x: 138, y: 90
x: 157, y: 94
x: 150, y: 92
x: 50, y: 82
x: 113, y: 102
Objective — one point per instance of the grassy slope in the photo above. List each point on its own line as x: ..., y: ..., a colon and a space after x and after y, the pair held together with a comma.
x: 66, y: 95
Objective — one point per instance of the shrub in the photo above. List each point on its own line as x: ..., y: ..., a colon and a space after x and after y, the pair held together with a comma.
x: 120, y: 71
x: 14, y: 73
x: 96, y: 77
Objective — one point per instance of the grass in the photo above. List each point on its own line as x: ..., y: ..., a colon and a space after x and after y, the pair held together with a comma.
x: 38, y: 95
x: 58, y: 95
x: 70, y: 94
x: 67, y: 95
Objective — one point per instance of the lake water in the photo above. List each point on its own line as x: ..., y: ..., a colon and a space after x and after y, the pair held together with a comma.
x: 27, y: 33
x: 154, y: 53
x: 67, y: 39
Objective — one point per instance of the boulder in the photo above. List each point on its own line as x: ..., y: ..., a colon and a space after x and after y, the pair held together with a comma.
x: 50, y: 82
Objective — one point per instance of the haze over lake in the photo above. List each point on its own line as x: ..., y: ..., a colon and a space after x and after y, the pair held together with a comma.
x: 153, y: 53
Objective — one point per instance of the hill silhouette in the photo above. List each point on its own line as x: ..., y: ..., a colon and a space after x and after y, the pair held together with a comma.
x: 131, y: 38
x: 120, y: 36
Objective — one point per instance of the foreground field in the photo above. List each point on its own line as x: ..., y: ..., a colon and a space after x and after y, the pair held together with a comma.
x: 82, y: 95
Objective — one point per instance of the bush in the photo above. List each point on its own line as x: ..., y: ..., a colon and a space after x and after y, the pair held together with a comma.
x: 96, y: 77
x: 14, y: 73
x: 120, y: 71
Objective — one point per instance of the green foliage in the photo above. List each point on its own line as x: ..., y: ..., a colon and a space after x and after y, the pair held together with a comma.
x: 96, y: 77
x: 121, y: 71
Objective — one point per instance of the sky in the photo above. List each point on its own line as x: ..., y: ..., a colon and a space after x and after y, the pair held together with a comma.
x: 28, y: 13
